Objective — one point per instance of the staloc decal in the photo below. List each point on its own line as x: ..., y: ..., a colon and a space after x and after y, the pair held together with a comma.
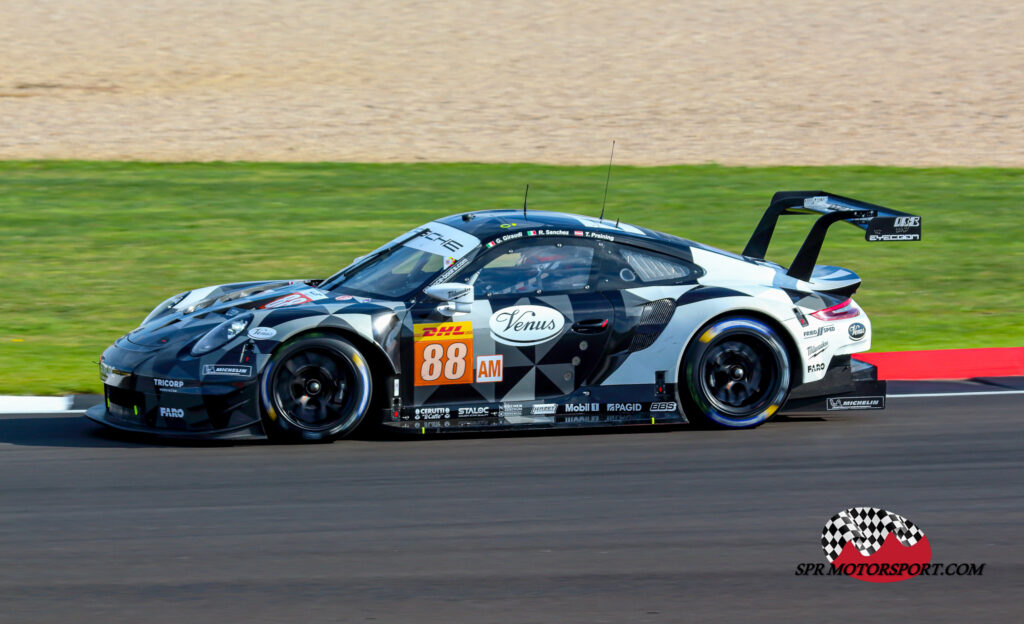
x: 526, y: 325
x: 471, y: 412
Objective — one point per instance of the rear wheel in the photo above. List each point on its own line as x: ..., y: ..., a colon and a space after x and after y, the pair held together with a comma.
x: 735, y: 374
x: 315, y: 388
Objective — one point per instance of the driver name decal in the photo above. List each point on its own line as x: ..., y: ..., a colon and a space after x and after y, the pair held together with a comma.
x: 526, y: 325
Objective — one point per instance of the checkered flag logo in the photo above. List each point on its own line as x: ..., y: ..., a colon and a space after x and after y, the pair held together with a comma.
x: 867, y: 528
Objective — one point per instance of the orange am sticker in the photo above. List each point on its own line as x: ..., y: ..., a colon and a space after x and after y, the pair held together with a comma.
x: 443, y: 353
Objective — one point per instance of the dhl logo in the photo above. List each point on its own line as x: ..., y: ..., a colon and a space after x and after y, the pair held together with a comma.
x: 443, y: 331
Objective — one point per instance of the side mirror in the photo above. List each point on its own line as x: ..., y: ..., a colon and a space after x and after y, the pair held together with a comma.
x: 457, y: 298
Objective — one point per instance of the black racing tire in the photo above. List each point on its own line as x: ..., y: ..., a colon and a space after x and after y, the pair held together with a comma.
x: 315, y: 388
x: 735, y: 374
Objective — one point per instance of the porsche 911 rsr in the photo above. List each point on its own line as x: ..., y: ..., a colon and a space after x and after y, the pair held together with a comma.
x: 507, y: 319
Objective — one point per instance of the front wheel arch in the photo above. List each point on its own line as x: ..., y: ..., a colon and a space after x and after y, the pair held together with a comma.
x: 282, y: 428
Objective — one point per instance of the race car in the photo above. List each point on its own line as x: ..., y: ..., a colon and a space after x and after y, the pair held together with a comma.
x: 508, y: 319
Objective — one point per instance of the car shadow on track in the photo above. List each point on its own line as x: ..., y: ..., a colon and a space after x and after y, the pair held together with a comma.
x: 58, y: 430
x: 76, y: 431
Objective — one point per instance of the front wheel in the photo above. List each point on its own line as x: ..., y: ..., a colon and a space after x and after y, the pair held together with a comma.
x: 315, y: 388
x: 735, y: 374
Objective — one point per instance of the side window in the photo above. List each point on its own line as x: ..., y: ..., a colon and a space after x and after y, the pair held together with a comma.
x: 542, y: 266
x: 627, y: 267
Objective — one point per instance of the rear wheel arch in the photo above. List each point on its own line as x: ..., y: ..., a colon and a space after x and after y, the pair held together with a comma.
x: 795, y: 361
x: 695, y: 354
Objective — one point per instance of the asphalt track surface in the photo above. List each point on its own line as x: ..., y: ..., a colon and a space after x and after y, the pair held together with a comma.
x: 663, y: 525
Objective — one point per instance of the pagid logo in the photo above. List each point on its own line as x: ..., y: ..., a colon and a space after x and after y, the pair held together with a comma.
x: 875, y: 545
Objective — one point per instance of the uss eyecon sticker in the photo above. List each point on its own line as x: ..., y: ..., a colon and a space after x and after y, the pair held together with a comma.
x: 526, y: 325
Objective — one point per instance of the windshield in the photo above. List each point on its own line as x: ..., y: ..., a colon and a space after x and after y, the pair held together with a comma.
x: 401, y: 267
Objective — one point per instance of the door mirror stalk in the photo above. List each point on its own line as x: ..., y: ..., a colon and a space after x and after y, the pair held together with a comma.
x: 456, y: 298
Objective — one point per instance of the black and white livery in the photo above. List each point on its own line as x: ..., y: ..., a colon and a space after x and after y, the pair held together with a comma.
x: 504, y: 319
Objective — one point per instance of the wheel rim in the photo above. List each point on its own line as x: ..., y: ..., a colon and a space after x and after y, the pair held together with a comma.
x: 315, y: 389
x: 739, y: 375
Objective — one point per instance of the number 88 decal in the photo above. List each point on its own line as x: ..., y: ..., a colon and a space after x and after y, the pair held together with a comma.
x: 444, y: 353
x: 436, y: 359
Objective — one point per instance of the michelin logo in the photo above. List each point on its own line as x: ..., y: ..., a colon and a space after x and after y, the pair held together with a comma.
x: 855, y: 403
x: 222, y: 369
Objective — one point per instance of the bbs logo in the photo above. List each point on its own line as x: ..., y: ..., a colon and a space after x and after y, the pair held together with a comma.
x: 816, y: 368
x: 907, y: 221
x: 663, y: 407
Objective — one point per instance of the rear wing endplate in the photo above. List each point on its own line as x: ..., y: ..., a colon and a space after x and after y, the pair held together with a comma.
x: 878, y: 222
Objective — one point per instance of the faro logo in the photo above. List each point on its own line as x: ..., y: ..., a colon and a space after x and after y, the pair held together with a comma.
x: 172, y: 412
x: 875, y: 545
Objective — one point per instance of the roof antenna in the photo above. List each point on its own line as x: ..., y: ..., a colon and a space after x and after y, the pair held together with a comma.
x: 525, y: 195
x: 606, y: 180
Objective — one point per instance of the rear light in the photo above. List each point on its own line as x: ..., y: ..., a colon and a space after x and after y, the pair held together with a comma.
x: 837, y: 312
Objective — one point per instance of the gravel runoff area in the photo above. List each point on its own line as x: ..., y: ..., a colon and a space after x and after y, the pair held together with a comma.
x: 904, y: 82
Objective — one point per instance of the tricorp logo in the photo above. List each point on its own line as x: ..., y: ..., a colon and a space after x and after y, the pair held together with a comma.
x: 875, y: 545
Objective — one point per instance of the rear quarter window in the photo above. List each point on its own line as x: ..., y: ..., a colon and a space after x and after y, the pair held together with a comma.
x: 628, y: 267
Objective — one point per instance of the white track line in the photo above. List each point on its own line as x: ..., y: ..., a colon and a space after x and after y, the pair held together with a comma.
x: 34, y: 404
x: 946, y: 394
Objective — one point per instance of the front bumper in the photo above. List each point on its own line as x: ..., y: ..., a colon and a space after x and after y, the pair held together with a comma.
x: 103, y: 416
x: 146, y: 393
x: 847, y: 385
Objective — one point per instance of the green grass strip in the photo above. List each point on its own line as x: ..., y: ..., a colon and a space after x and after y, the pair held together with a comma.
x: 88, y: 248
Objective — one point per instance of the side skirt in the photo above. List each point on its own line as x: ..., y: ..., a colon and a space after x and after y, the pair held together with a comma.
x: 588, y: 407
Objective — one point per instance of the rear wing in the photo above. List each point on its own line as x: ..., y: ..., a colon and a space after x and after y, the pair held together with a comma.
x: 878, y: 222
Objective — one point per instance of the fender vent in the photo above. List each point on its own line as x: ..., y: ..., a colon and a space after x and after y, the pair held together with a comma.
x: 653, y: 319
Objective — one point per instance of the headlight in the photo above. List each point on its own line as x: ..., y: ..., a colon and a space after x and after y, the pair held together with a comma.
x: 222, y: 334
x: 166, y: 305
